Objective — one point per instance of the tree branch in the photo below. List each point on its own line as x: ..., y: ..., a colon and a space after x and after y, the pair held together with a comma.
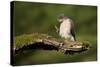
x: 43, y: 41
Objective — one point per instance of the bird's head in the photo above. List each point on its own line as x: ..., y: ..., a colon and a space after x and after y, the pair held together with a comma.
x: 61, y: 18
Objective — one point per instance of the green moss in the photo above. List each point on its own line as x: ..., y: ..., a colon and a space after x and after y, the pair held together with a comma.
x: 27, y: 39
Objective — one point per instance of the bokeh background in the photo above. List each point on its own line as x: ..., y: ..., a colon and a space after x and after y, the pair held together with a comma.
x: 29, y: 17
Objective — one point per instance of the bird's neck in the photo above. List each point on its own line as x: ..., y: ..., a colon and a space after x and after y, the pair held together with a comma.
x: 66, y: 21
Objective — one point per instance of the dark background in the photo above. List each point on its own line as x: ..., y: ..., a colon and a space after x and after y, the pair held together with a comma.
x: 38, y: 17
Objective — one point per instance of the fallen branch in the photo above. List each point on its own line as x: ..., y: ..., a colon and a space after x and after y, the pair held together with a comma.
x: 43, y: 41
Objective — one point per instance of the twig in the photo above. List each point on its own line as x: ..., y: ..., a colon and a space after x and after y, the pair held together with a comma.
x: 57, y: 29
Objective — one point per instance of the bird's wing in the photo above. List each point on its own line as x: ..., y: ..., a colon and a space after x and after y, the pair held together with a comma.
x: 73, y: 29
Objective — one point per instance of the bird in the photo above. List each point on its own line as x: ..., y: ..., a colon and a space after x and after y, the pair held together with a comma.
x: 67, y: 29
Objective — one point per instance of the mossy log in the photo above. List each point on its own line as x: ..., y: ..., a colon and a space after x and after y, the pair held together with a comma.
x: 44, y: 41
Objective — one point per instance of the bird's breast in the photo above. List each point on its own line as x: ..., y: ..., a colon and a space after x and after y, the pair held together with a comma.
x: 65, y: 28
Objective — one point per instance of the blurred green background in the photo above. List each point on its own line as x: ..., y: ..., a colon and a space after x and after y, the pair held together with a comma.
x: 31, y: 17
